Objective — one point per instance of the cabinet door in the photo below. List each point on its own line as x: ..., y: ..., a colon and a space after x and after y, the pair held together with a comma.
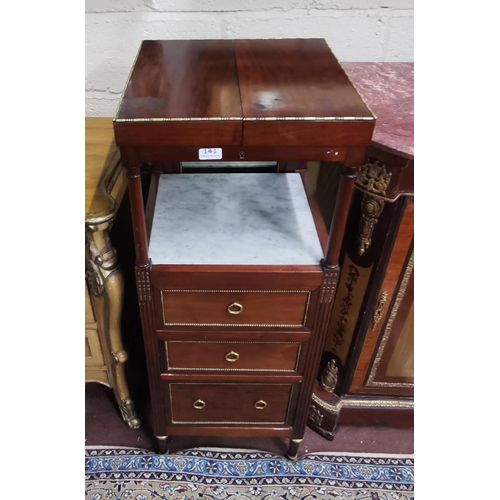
x: 385, y: 363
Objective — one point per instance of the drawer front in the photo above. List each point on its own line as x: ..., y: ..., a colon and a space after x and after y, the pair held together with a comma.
x: 234, y: 308
x: 233, y: 355
x: 230, y: 403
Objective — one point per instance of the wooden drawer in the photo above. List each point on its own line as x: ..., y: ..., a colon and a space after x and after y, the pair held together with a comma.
x: 229, y: 403
x: 234, y: 308
x: 232, y: 355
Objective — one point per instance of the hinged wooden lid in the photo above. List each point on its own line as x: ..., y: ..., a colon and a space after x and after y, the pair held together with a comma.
x: 290, y: 92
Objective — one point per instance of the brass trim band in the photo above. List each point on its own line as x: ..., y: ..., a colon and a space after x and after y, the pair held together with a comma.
x: 362, y: 403
x: 247, y: 119
x: 280, y: 325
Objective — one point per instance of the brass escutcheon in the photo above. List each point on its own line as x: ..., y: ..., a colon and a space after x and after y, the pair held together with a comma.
x: 232, y: 356
x: 199, y: 404
x: 234, y: 308
x: 377, y: 315
x: 260, y: 405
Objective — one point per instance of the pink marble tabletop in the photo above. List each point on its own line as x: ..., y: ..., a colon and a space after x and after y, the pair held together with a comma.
x: 387, y: 88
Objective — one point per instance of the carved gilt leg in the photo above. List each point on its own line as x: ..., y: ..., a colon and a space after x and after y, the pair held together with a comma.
x: 107, y: 287
x: 114, y: 295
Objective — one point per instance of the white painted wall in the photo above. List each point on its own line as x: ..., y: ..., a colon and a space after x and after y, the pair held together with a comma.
x: 356, y: 30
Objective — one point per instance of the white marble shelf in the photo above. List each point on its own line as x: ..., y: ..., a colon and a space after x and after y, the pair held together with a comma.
x: 240, y: 219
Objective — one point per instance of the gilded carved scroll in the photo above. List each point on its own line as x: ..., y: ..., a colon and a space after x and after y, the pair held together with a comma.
x: 373, y: 180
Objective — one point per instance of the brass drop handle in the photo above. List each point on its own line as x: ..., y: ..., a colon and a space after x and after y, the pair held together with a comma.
x: 234, y: 308
x: 232, y: 356
x: 260, y: 405
x: 199, y: 404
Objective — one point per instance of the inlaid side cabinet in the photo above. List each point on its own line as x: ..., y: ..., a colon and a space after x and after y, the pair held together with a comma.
x: 366, y: 374
x: 236, y: 272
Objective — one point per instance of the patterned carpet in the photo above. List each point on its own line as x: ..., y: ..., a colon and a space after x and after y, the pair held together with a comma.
x: 126, y: 473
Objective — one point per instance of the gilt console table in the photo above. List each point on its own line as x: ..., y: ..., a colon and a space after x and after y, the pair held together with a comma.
x: 105, y: 185
x: 236, y: 273
x: 366, y: 374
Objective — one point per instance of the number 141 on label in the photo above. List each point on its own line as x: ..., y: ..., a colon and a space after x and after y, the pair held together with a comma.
x: 210, y: 154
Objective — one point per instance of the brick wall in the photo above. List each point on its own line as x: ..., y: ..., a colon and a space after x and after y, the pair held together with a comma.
x: 356, y: 30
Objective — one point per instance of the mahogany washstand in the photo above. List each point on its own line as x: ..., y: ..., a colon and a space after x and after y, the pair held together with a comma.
x: 233, y: 331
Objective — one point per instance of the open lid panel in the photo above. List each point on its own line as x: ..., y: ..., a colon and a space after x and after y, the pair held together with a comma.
x: 209, y: 93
